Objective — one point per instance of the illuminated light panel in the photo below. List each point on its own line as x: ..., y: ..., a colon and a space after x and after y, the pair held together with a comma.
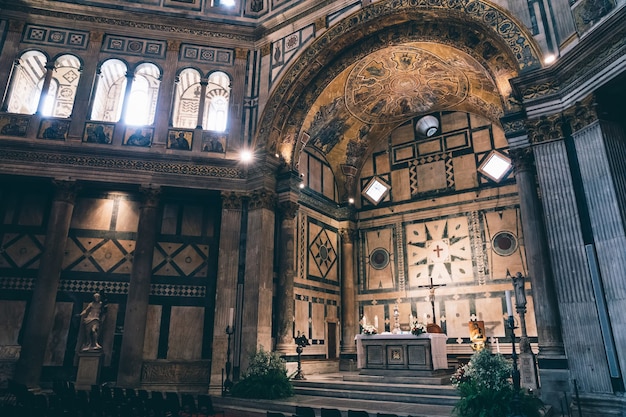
x: 496, y: 166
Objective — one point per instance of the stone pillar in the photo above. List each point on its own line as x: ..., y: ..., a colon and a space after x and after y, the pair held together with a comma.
x: 227, y: 284
x: 235, y: 113
x: 349, y: 310
x: 601, y: 154
x: 539, y: 272
x: 566, y: 223
x: 163, y: 113
x: 88, y: 73
x: 45, y: 86
x: 286, y: 270
x: 9, y: 50
x: 131, y: 352
x: 40, y: 316
x: 256, y: 322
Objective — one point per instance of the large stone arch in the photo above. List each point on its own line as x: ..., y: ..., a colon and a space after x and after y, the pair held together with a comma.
x: 477, y: 29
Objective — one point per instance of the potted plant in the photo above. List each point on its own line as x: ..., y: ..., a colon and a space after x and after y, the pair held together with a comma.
x: 487, y: 391
x: 266, y: 377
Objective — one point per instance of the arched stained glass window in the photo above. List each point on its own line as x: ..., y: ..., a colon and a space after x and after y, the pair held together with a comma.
x: 187, y: 99
x: 109, y: 96
x: 26, y: 82
x: 144, y: 93
x: 59, y: 100
x: 217, y: 99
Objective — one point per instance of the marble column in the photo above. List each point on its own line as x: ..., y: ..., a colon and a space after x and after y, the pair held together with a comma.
x: 131, y: 352
x: 237, y: 93
x: 539, y: 270
x: 256, y: 322
x: 40, y: 316
x: 45, y: 88
x: 349, y: 313
x: 9, y: 51
x: 163, y: 113
x: 286, y: 270
x: 88, y: 73
x: 226, y: 288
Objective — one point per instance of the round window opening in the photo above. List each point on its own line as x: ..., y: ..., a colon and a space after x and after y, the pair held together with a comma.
x: 379, y: 258
x: 504, y: 243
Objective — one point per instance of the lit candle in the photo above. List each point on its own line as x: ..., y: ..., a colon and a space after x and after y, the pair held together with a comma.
x: 376, y: 321
x: 231, y: 316
x: 498, y: 345
x: 364, y: 320
x: 509, y: 306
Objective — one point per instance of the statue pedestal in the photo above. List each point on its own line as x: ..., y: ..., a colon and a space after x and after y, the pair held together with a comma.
x: 528, y: 370
x: 89, y: 366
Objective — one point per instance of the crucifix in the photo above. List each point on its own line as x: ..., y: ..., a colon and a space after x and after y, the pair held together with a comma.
x: 431, y: 296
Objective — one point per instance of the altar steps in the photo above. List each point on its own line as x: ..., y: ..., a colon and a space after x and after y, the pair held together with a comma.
x: 358, y: 387
x: 350, y: 391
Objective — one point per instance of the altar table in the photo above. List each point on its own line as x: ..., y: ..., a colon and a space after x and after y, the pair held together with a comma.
x: 402, y: 352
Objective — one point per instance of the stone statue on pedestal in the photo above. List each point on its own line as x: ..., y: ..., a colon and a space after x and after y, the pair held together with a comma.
x: 91, y: 319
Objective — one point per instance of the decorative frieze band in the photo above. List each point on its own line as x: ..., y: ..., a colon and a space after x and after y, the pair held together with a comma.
x: 53, y: 36
x: 207, y: 54
x: 134, y: 46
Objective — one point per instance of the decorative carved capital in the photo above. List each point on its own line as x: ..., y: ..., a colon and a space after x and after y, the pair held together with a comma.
x: 262, y: 199
x: 65, y: 191
x: 232, y: 201
x: 522, y: 158
x: 546, y: 128
x: 241, y: 53
x: 16, y: 25
x: 287, y: 210
x: 582, y: 114
x: 96, y: 37
x: 320, y: 23
x: 348, y: 235
x: 150, y: 196
x: 173, y: 46
x: 265, y: 49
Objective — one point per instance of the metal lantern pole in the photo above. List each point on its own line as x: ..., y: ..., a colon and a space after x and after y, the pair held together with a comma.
x: 228, y: 383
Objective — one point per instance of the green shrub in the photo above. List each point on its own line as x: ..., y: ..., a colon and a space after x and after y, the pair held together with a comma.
x: 487, y: 391
x: 266, y: 377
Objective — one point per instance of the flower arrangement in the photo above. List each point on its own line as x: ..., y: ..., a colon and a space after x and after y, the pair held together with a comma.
x: 418, y: 328
x: 486, y: 389
x: 369, y: 329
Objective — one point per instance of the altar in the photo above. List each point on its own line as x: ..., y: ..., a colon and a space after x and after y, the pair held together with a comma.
x: 404, y: 354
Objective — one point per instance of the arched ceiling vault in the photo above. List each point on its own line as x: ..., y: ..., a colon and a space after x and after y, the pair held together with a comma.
x: 388, y: 63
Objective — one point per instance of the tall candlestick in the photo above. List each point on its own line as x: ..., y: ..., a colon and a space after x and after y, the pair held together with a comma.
x: 231, y: 317
x: 509, y: 305
x: 364, y: 320
x: 376, y: 321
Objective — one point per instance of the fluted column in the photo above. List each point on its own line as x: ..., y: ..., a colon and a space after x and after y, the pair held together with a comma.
x: 286, y: 271
x: 131, y: 352
x: 349, y: 314
x: 40, y: 318
x: 539, y: 272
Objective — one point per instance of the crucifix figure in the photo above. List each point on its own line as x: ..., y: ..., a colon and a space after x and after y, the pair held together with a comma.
x: 431, y: 296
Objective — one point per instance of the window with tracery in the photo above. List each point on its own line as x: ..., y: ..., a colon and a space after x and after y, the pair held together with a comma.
x: 59, y: 100
x: 217, y: 99
x: 109, y: 94
x: 187, y: 99
x: 143, y: 96
x: 26, y: 83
